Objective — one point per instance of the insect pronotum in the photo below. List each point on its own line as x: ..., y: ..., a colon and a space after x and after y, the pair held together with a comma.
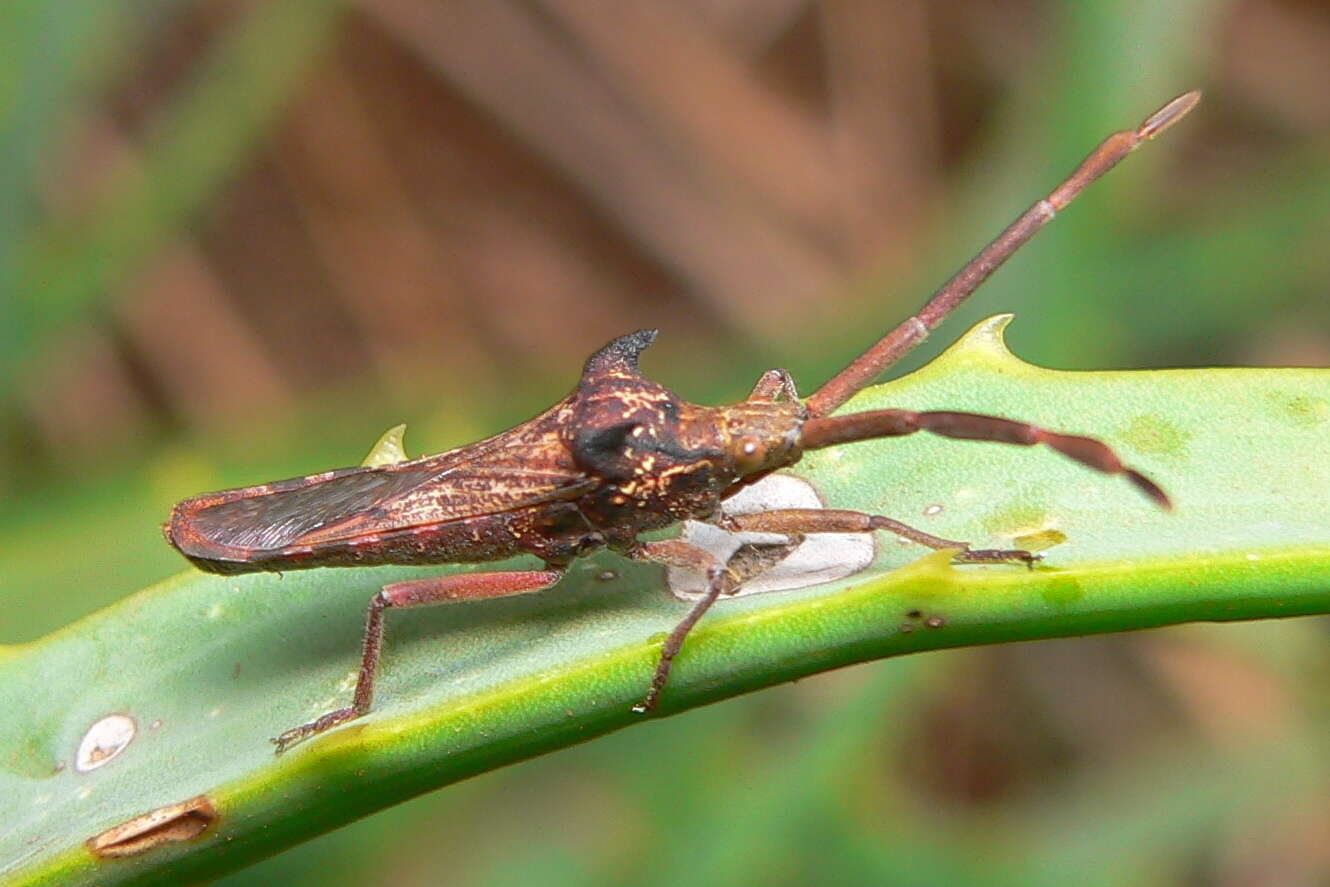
x: 618, y: 456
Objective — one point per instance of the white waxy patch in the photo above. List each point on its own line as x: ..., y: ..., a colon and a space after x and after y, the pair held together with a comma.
x: 103, y: 741
x: 822, y: 557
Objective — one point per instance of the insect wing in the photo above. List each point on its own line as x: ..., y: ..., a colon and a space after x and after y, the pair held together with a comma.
x: 280, y: 517
x: 456, y: 493
x: 360, y: 501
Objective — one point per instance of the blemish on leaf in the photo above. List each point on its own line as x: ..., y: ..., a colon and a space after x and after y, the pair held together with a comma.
x: 930, y: 510
x: 1301, y: 410
x: 1154, y: 435
x: 935, y: 621
x: 33, y: 756
x: 103, y: 741
x: 1062, y: 590
x: 1040, y: 541
x: 165, y: 825
x: 1016, y: 520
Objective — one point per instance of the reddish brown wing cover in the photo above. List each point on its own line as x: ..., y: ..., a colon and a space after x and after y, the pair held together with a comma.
x: 525, y: 466
x: 271, y: 520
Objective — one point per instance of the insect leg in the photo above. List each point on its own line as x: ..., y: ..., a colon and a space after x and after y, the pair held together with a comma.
x: 414, y: 593
x: 679, y: 554
x: 800, y: 521
x: 818, y: 433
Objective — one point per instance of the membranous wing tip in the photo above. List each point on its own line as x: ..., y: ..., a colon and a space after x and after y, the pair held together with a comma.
x: 343, y: 505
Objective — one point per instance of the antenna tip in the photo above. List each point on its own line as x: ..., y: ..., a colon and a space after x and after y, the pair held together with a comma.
x: 1169, y: 114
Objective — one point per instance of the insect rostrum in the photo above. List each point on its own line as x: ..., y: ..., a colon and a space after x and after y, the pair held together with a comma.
x: 617, y: 457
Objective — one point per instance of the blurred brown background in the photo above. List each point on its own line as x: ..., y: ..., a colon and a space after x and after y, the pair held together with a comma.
x: 449, y: 198
x: 239, y: 239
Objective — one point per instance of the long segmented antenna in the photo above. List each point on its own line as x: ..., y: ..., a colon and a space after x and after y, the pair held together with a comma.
x: 903, y: 339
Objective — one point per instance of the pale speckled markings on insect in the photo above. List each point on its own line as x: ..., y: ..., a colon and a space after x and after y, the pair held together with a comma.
x: 618, y: 456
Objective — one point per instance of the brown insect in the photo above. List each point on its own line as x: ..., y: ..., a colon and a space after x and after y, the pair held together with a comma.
x: 619, y: 456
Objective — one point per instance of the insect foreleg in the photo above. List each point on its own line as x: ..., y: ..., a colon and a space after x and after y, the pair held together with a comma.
x: 678, y: 554
x: 414, y: 593
x: 828, y: 432
x: 800, y: 521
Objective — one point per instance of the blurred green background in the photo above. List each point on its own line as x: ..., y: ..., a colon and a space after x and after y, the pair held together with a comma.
x: 240, y: 239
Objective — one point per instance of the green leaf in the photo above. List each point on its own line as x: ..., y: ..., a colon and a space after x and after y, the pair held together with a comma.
x: 63, y: 266
x: 209, y: 667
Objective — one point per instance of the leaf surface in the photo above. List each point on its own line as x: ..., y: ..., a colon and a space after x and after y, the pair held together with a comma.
x: 208, y: 668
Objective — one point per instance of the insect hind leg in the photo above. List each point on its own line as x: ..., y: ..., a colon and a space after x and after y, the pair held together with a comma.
x: 413, y: 593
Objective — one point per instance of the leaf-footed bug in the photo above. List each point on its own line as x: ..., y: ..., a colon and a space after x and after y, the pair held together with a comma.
x: 617, y: 457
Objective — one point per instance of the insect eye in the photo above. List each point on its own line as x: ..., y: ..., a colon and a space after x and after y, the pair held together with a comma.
x: 750, y: 452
